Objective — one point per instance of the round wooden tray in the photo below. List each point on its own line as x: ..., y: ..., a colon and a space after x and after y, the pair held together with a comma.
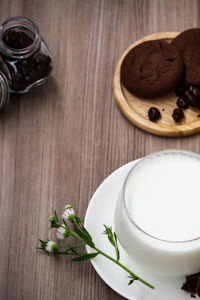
x: 136, y: 109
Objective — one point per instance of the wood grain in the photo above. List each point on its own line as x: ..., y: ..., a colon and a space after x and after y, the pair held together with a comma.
x: 60, y: 141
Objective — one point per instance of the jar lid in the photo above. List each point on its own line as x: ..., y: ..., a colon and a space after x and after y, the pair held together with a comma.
x: 4, y: 91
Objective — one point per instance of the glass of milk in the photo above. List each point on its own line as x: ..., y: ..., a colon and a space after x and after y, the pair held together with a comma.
x: 157, y: 216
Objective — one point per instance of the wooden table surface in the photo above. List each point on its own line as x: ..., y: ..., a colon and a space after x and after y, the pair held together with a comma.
x: 58, y: 142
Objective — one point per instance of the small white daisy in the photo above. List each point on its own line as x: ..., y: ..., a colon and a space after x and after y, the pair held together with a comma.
x: 69, y: 213
x: 51, y: 246
x: 62, y: 233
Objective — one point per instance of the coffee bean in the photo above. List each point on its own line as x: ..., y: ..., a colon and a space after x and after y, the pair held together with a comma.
x: 17, y: 39
x: 26, y: 66
x: 154, y: 114
x: 27, y: 71
x: 177, y: 115
x: 27, y: 78
x: 179, y: 91
x: 182, y: 103
x: 194, y: 91
x: 189, y: 98
x: 40, y: 58
x: 16, y: 79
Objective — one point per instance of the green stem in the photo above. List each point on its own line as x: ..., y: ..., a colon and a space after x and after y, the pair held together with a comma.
x: 77, y: 224
x: 124, y: 267
x: 117, y: 252
x: 63, y: 226
x: 73, y: 247
x: 66, y: 253
x: 72, y: 233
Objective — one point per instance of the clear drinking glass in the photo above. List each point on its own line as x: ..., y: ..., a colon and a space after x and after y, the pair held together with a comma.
x: 162, y: 257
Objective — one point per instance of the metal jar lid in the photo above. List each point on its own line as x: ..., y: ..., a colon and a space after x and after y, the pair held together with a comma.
x: 4, y: 91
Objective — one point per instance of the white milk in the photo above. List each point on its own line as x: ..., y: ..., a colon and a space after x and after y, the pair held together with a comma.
x: 162, y: 195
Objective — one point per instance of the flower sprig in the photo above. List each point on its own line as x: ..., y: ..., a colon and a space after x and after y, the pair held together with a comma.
x: 71, y: 226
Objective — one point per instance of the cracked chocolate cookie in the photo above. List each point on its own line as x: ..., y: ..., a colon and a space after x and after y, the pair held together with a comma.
x: 188, y: 45
x: 152, y: 69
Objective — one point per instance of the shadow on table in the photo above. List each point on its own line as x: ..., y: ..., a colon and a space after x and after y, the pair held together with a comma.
x: 33, y: 100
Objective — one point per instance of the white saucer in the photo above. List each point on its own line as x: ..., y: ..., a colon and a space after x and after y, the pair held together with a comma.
x: 101, y: 211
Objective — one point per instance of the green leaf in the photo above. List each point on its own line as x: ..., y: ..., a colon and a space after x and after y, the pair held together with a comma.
x: 108, y: 232
x: 133, y: 278
x: 112, y: 239
x: 56, y: 217
x: 85, y: 257
x: 65, y: 223
x: 79, y: 220
x: 72, y: 249
x: 85, y: 236
x: 86, y: 232
x: 131, y: 281
x: 43, y: 243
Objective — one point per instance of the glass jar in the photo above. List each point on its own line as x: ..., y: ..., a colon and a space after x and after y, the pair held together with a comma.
x: 4, y: 91
x: 24, y: 56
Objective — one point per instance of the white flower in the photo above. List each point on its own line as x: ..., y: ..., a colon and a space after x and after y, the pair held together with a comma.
x: 69, y: 213
x: 62, y: 232
x: 51, y: 246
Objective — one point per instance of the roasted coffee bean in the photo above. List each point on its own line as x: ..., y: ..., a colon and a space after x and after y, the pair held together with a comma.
x: 182, y: 103
x: 26, y: 66
x: 177, y: 115
x: 25, y: 72
x: 24, y: 39
x: 194, y: 91
x: 16, y: 79
x: 154, y: 114
x: 27, y: 78
x: 179, y: 91
x: 189, y: 98
x: 44, y: 69
x: 17, y: 39
x: 41, y: 58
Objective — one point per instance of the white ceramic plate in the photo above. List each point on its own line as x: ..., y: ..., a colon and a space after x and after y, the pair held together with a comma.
x: 101, y: 211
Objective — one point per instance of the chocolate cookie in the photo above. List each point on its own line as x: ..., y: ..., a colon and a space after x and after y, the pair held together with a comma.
x: 188, y: 45
x: 151, y: 69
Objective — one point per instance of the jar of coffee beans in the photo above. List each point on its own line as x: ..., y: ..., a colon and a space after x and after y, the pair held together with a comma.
x: 25, y: 59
